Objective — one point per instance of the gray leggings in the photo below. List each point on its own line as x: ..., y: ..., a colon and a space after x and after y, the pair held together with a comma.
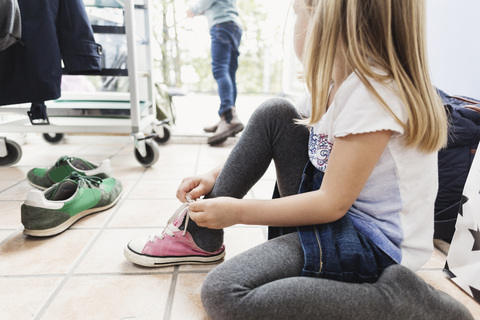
x: 265, y: 282
x: 270, y: 134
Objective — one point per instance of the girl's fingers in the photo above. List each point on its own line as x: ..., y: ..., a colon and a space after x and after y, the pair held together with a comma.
x: 196, y: 205
x: 197, y: 217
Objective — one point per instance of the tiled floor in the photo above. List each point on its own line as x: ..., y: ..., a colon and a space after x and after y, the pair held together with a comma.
x: 82, y: 273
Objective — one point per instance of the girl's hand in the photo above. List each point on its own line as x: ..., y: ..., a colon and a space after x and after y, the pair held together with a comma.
x: 217, y: 213
x: 195, y: 187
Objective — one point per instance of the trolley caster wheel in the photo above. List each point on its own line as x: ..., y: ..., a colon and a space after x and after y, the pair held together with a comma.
x: 53, y: 138
x: 152, y: 154
x: 14, y: 154
x: 166, y: 135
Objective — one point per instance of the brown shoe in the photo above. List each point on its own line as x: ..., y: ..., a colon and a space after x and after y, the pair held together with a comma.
x: 226, y: 129
x: 211, y: 128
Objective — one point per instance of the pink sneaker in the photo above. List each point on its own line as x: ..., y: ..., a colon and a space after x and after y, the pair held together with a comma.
x: 171, y: 247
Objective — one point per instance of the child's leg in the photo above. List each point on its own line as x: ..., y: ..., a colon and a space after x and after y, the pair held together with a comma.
x: 270, y: 134
x: 265, y: 283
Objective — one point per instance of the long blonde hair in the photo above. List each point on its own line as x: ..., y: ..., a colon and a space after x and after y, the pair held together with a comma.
x: 387, y: 34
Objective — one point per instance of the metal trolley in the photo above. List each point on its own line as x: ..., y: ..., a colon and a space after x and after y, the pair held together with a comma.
x: 132, y: 112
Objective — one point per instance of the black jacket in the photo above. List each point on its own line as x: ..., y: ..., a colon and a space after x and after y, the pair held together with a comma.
x: 52, y: 30
x: 455, y: 160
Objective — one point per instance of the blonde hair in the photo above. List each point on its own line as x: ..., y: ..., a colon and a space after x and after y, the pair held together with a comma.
x: 386, y: 34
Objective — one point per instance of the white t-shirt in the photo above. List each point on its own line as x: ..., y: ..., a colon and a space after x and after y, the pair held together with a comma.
x: 395, y: 207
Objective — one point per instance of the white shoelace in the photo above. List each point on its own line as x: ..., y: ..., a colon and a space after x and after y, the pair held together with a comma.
x: 170, y: 228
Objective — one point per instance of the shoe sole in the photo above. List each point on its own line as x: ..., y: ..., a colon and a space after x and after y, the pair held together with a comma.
x: 67, y: 224
x: 224, y: 136
x: 152, y: 261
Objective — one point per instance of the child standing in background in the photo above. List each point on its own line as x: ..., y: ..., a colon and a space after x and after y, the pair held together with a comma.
x: 225, y: 34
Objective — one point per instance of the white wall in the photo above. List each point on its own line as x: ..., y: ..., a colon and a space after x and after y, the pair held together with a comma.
x: 453, y: 35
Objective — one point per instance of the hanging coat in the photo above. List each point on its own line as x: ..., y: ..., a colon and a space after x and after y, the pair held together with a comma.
x: 52, y: 30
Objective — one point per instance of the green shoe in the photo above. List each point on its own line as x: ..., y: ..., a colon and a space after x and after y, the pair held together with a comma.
x: 50, y: 212
x: 45, y: 178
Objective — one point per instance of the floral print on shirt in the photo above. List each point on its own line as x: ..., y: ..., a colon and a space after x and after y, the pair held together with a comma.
x: 319, y: 150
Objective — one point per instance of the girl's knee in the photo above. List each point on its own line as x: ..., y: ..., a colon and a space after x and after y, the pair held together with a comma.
x: 278, y: 105
x: 216, y: 294
x: 276, y: 108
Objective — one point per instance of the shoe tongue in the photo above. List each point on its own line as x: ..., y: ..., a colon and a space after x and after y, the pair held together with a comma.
x: 82, y: 164
x: 61, y: 191
x: 179, y: 221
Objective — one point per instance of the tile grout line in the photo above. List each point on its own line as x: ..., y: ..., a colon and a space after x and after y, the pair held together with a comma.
x: 171, y: 292
x: 68, y: 275
x: 105, y: 274
x: 197, y: 162
x: 11, y: 235
x: 11, y: 187
x: 52, y: 297
x: 82, y: 255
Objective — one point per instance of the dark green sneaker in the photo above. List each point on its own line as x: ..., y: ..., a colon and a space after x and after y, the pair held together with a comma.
x: 45, y: 178
x: 54, y: 210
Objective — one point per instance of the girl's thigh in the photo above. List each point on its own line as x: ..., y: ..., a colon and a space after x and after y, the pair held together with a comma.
x: 265, y: 283
x: 253, y: 278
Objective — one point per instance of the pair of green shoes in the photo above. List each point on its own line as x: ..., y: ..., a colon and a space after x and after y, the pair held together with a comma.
x: 72, y: 189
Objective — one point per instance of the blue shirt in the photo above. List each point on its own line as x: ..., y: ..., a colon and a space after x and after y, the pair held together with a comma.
x: 217, y: 11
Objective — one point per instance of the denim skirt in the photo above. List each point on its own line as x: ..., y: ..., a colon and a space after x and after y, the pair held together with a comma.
x: 336, y: 250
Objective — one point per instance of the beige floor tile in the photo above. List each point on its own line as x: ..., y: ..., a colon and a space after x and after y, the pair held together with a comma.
x: 127, y: 187
x: 125, y: 159
x: 106, y: 255
x: 436, y: 261
x: 187, y: 303
x: 25, y: 255
x: 127, y: 149
x: 5, y: 234
x: 127, y: 173
x: 4, y: 185
x: 438, y: 280
x: 47, y: 155
x: 155, y: 189
x: 13, y: 174
x: 212, y: 156
x: 10, y: 214
x: 22, y: 298
x: 111, y: 297
x: 17, y: 192
x: 169, y: 172
x: 181, y: 155
x: 106, y: 147
x: 151, y: 213
x: 95, y: 220
x: 240, y: 239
